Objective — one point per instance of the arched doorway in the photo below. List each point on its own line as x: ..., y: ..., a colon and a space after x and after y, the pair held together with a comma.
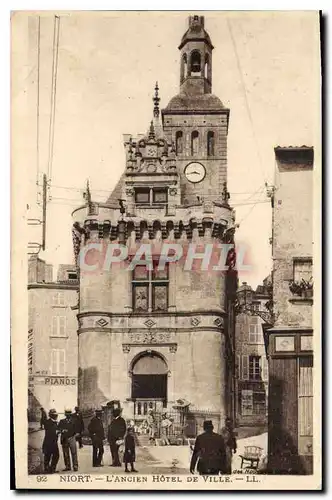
x: 149, y: 379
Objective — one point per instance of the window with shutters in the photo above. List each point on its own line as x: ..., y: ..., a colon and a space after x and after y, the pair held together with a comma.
x: 58, y: 299
x: 255, y: 333
x: 58, y: 362
x: 305, y: 405
x: 254, y: 367
x: 245, y: 367
x: 150, y: 288
x: 59, y: 324
x: 265, y: 369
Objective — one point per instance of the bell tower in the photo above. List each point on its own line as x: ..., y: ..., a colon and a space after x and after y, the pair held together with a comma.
x: 196, y: 121
x: 196, y: 58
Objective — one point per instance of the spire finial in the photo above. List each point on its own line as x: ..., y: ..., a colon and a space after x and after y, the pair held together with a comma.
x: 152, y: 134
x: 156, y: 100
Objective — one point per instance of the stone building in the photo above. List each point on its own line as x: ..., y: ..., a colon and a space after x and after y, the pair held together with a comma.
x: 150, y: 337
x: 290, y: 341
x: 251, y: 360
x: 52, y: 337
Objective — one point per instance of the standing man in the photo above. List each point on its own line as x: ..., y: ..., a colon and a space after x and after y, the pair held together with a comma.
x: 228, y: 434
x: 67, y: 426
x: 116, y: 432
x: 50, y: 444
x: 79, y: 425
x: 43, y: 418
x: 96, y: 431
x: 209, y: 451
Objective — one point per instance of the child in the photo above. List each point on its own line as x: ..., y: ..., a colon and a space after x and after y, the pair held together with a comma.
x: 129, y: 453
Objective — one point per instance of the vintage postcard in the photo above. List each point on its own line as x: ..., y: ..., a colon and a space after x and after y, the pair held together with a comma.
x: 166, y: 193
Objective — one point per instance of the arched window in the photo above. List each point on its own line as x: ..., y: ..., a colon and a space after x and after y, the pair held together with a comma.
x: 210, y: 143
x: 195, y: 63
x: 206, y: 66
x: 149, y: 378
x: 194, y: 142
x: 179, y: 142
x: 184, y: 68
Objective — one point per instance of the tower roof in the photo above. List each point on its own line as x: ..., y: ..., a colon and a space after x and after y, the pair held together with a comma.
x: 196, y: 32
x: 191, y: 102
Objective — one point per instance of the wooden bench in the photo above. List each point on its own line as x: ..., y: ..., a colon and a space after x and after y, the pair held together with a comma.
x: 252, y: 454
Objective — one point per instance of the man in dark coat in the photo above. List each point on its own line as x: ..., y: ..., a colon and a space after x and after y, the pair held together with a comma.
x: 229, y: 436
x: 50, y: 444
x: 43, y: 418
x: 116, y: 432
x: 209, y: 451
x: 79, y: 425
x: 97, y: 434
x: 67, y: 426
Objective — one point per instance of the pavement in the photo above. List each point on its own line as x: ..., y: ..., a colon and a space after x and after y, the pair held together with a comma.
x: 149, y: 459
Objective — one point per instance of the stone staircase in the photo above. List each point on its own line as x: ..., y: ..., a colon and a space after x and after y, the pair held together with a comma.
x: 143, y: 440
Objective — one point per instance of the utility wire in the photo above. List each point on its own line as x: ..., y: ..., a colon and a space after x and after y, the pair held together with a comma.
x: 246, y: 98
x: 38, y: 97
x: 56, y: 33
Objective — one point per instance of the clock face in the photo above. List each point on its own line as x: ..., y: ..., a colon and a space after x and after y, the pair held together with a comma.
x: 195, y: 172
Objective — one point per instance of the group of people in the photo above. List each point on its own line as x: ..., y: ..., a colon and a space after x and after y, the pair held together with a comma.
x: 71, y: 428
x: 212, y: 453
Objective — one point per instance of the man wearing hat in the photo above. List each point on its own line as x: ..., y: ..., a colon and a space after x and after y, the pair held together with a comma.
x: 67, y: 426
x: 209, y: 451
x: 97, y: 434
x: 78, y: 417
x: 116, y: 432
x: 50, y: 444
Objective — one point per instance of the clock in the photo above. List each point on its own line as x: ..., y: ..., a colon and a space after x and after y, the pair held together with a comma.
x: 195, y: 172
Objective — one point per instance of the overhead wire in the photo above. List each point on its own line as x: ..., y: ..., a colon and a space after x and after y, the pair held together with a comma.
x: 56, y: 33
x: 246, y: 98
x: 38, y: 99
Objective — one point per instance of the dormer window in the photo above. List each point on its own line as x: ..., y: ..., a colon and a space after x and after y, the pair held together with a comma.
x: 142, y: 196
x: 151, y: 196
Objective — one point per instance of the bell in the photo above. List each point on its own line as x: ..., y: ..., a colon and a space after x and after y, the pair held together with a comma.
x: 196, y: 67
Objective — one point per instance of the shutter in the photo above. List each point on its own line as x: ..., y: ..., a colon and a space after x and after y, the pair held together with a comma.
x: 62, y: 329
x: 265, y: 371
x: 61, y: 299
x: 62, y: 362
x: 245, y: 367
x: 55, y: 326
x: 238, y: 367
x: 54, y: 361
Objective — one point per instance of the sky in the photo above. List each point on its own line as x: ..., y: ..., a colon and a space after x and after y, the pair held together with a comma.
x: 265, y: 69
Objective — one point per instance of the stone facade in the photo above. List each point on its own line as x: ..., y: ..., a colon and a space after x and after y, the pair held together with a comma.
x: 290, y: 343
x: 173, y: 329
x: 251, y: 360
x: 52, y: 342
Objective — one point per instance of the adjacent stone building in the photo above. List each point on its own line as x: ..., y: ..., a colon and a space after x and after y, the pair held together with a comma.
x: 149, y: 337
x: 290, y: 341
x: 52, y: 337
x: 251, y: 360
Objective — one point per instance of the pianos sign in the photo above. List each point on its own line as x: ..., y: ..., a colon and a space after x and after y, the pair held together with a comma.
x: 60, y: 381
